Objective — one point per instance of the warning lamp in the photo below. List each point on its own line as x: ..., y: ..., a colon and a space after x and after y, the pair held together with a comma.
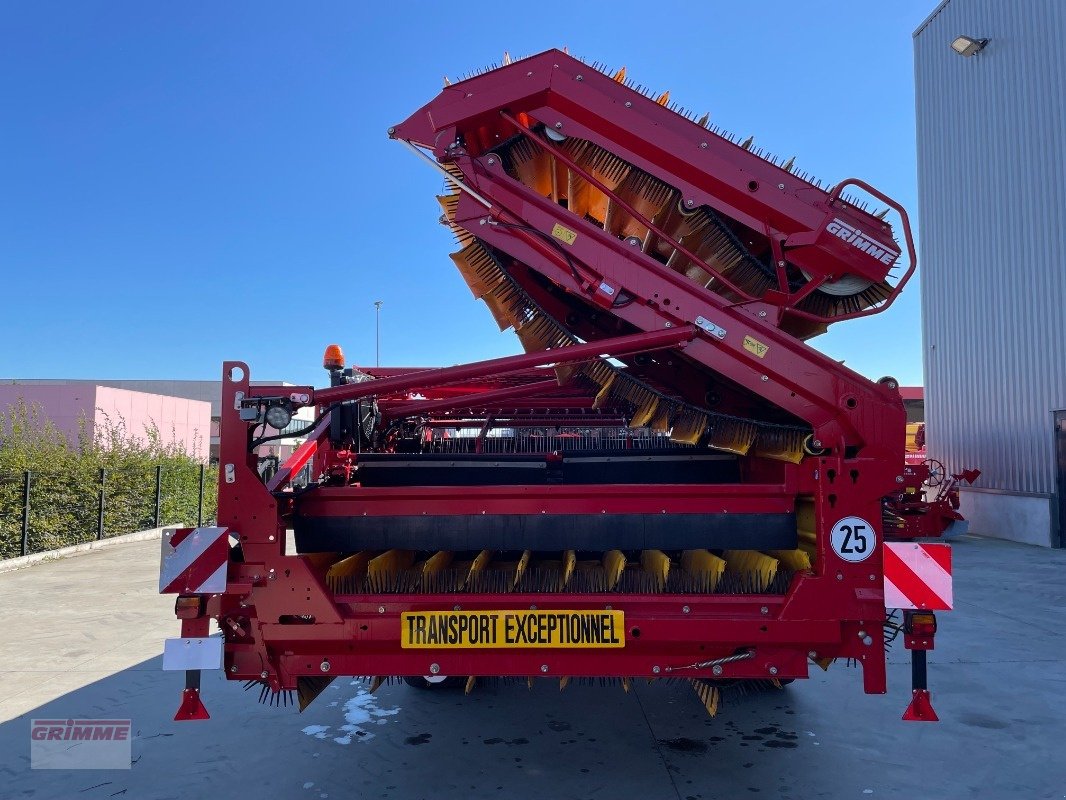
x: 333, y: 358
x: 919, y: 623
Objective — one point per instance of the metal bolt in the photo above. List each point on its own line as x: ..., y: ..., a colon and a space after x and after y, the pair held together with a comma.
x: 764, y: 610
x: 579, y: 78
x: 668, y: 325
x: 762, y: 313
x: 629, y: 104
x: 866, y: 640
x: 457, y: 608
x: 703, y: 145
x: 609, y: 608
x: 558, y: 125
x: 381, y: 609
x: 654, y: 670
x: 233, y: 668
x: 812, y: 655
x: 255, y: 577
x: 543, y: 667
x: 899, y: 479
x: 392, y: 131
x: 765, y: 377
x: 780, y: 186
x: 264, y: 674
x: 690, y: 203
x: 861, y: 634
x: 717, y: 669
x: 273, y: 576
x: 270, y: 538
x: 434, y: 669
x: 491, y: 161
x: 773, y: 670
x: 840, y: 576
x: 873, y: 577
x: 685, y: 609
x: 533, y: 608
x: 817, y: 442
x: 324, y: 666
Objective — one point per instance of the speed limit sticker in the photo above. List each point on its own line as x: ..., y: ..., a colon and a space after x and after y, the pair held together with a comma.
x: 853, y: 539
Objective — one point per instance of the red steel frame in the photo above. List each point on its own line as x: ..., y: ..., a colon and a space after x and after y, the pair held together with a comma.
x: 827, y: 614
x: 282, y: 620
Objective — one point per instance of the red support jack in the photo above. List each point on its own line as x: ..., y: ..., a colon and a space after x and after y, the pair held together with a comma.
x: 919, y: 629
x: 192, y: 707
x: 920, y: 708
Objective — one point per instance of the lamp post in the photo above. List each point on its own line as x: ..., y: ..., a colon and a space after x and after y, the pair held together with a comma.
x: 377, y: 332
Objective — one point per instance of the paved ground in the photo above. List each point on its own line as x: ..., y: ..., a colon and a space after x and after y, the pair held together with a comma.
x: 81, y: 638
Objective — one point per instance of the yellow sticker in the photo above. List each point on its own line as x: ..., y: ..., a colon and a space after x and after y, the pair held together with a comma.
x: 755, y: 346
x: 509, y: 629
x: 564, y: 234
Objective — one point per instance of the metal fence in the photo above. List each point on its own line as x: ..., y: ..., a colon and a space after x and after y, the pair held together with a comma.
x: 42, y: 510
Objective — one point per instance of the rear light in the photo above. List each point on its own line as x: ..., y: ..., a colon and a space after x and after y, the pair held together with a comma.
x: 919, y: 623
x: 189, y: 606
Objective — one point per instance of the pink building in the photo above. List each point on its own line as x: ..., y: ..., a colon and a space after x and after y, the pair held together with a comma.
x: 180, y: 421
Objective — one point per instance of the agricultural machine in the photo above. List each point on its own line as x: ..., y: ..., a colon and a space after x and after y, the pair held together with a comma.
x: 670, y: 483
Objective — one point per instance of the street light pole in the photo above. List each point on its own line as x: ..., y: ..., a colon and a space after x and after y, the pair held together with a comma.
x: 377, y: 332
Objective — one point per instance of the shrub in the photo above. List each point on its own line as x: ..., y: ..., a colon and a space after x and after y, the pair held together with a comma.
x: 65, y: 484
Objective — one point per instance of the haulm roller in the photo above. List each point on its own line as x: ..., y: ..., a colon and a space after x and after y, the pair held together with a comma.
x: 670, y: 482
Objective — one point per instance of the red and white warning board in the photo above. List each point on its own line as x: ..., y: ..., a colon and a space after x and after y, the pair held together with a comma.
x: 918, y: 576
x: 194, y: 561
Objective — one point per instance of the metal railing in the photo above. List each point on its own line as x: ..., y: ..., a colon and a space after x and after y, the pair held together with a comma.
x: 547, y: 440
x: 41, y: 510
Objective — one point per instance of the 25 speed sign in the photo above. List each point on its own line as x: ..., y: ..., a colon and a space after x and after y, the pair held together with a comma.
x: 853, y: 539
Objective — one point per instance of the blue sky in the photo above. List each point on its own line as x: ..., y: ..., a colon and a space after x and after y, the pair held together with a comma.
x: 187, y: 182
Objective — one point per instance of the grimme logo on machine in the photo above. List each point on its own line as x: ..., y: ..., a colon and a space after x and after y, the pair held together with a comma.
x: 80, y: 743
x: 855, y: 238
x: 512, y: 629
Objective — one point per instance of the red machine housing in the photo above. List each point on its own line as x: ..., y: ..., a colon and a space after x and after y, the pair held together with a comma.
x: 288, y: 627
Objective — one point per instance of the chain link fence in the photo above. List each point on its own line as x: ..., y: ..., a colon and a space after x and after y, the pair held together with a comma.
x: 44, y: 510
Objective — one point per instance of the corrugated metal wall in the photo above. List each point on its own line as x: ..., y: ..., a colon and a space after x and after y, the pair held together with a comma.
x: 992, y: 208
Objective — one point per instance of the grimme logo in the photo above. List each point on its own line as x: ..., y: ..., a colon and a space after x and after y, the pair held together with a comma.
x: 855, y: 238
x: 80, y: 743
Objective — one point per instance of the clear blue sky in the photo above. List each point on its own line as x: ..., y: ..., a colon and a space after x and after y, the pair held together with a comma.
x: 187, y: 182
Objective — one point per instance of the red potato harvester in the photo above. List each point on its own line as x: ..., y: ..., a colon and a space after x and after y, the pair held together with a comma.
x: 669, y: 483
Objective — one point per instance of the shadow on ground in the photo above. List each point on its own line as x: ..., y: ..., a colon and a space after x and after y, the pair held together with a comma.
x: 997, y: 677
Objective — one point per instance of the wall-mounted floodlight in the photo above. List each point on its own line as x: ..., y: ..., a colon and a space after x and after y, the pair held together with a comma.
x: 968, y: 46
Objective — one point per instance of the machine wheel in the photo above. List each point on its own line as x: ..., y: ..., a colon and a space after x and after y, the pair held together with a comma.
x: 937, y: 473
x: 432, y: 681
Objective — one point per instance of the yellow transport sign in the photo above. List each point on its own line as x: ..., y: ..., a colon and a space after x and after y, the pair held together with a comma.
x: 510, y: 629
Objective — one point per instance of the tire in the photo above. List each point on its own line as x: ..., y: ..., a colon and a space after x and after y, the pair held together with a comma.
x: 430, y: 682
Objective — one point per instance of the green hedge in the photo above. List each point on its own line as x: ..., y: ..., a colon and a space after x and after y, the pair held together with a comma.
x: 65, y: 482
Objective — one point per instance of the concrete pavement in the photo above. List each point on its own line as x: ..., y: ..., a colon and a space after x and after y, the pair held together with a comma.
x: 81, y: 637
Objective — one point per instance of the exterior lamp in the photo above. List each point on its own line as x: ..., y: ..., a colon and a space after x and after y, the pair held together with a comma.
x: 968, y: 46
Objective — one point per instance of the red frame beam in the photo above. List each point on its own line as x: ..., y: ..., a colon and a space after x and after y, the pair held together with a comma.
x: 617, y: 346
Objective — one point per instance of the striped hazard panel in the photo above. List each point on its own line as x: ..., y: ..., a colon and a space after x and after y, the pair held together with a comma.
x: 194, y: 561
x: 918, y: 576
